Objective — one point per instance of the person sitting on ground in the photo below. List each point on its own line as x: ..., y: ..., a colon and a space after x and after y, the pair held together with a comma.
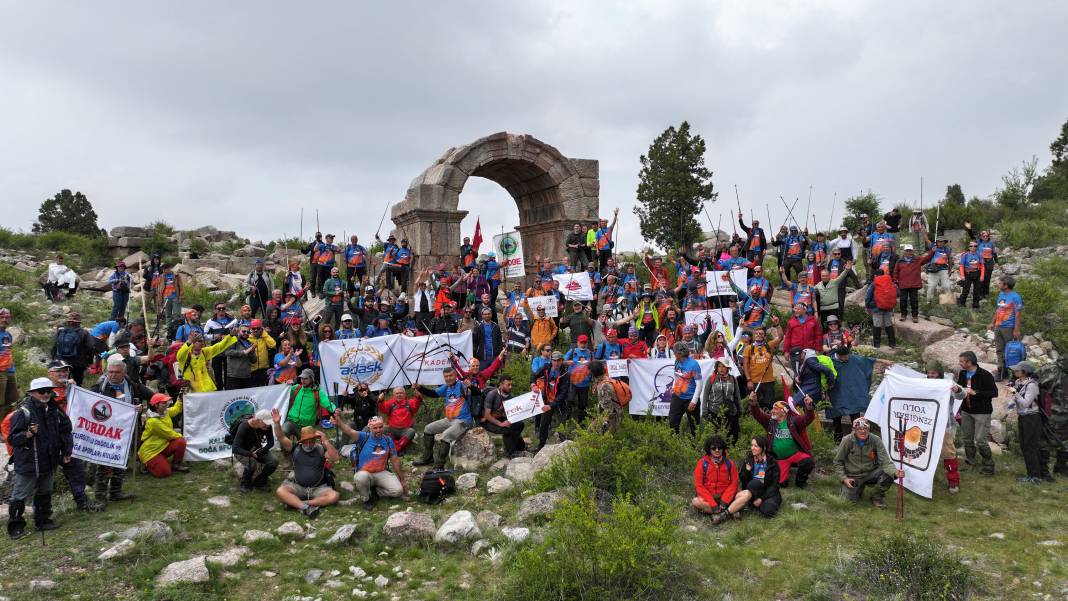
x: 495, y: 420
x: 373, y: 453
x: 160, y: 441
x: 41, y: 440
x: 456, y: 422
x: 306, y: 399
x: 253, y: 441
x: 714, y: 479
x: 790, y: 445
x: 862, y: 460
x: 758, y: 483
x: 400, y: 410
x: 307, y: 490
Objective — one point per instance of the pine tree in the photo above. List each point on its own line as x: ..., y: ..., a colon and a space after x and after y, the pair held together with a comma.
x: 67, y: 212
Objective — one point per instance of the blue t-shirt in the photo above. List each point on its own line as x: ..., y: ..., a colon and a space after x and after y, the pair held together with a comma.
x: 347, y: 334
x: 375, y: 452
x: 760, y: 468
x: 580, y: 357
x: 1008, y: 304
x: 185, y: 330
x: 105, y: 329
x: 971, y: 262
x: 6, y: 356
x: 985, y: 249
x: 456, y: 401
x: 609, y: 350
x: 687, y: 373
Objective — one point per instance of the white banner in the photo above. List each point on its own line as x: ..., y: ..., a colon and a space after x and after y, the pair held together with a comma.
x: 389, y: 361
x: 103, y: 427
x: 718, y: 282
x: 722, y: 320
x: 524, y: 406
x: 651, y: 380
x: 575, y: 286
x: 208, y: 416
x: 509, y: 247
x: 617, y: 368
x: 549, y: 302
x: 920, y: 408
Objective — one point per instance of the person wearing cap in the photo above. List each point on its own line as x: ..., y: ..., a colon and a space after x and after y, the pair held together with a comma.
x: 400, y: 410
x: 576, y: 248
x: 787, y: 431
x: 908, y: 279
x: 74, y: 345
x: 939, y: 264
x: 919, y: 227
x: 549, y: 375
x: 578, y: 323
x: 258, y: 289
x: 646, y: 318
x: 468, y: 255
x: 239, y: 358
x: 543, y: 330
x: 861, y: 461
x: 610, y: 348
x: 162, y: 447
x: 836, y: 336
x: 755, y: 309
x: 715, y: 480
x: 324, y: 262
x: 634, y: 347
x: 9, y: 390
x: 305, y: 401
x: 308, y: 489
x: 1008, y: 316
x: 260, y: 359
x: 980, y: 390
x: 73, y: 470
x: 333, y: 290
x: 1025, y: 401
x: 578, y: 360
x: 41, y: 441
x: 456, y: 421
x: 191, y: 325
x: 879, y: 302
x: 757, y: 359
x: 121, y: 283
x: 793, y: 246
x: 658, y: 276
x: 356, y: 260
x: 972, y: 272
x: 850, y: 395
x: 194, y: 358
x: 168, y: 293
x: 687, y: 372
x: 937, y: 371
x: 251, y: 446
x: 347, y: 331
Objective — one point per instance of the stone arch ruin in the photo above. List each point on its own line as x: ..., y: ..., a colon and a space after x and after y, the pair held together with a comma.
x: 551, y: 191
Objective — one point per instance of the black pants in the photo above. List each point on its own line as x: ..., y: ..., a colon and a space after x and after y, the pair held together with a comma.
x: 577, y: 258
x: 971, y: 284
x: 544, y: 424
x: 766, y: 395
x: 602, y: 259
x: 1035, y: 459
x: 354, y: 277
x: 77, y: 373
x: 238, y: 383
x: 837, y: 421
x: 878, y: 479
x: 218, y: 368
x: 984, y: 288
x: 258, y: 378
x: 910, y: 297
x: 581, y: 402
x: 769, y: 504
x: 680, y: 408
x: 792, y: 267
x: 512, y: 436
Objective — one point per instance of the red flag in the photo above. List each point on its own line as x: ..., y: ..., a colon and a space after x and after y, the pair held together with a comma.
x: 477, y: 240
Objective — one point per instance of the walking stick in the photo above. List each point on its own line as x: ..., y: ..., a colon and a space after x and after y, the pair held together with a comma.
x: 834, y: 203
x: 902, y: 424
x: 808, y: 207
x: 144, y: 309
x: 768, y: 208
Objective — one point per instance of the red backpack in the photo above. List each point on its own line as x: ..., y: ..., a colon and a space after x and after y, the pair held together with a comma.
x: 885, y: 293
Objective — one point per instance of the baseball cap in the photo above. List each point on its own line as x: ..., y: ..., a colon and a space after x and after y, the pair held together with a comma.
x: 307, y: 373
x: 611, y: 332
x: 346, y: 317
x: 41, y: 384
x: 256, y: 323
x: 557, y: 355
x: 57, y: 364
x: 583, y: 338
x: 906, y: 247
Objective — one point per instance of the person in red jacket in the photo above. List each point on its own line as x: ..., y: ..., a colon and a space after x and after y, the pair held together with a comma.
x: 789, y: 441
x: 803, y: 330
x: 475, y: 370
x: 715, y: 479
x: 634, y: 347
x: 400, y: 410
x: 907, y: 276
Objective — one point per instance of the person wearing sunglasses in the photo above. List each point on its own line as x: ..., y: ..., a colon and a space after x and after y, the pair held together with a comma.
x: 972, y: 271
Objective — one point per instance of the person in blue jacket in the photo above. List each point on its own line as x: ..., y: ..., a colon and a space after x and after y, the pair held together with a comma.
x: 457, y: 419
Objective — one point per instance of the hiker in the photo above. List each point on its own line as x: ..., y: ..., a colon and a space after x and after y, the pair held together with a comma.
x: 191, y: 325
x: 9, y: 389
x: 373, y: 453
x: 577, y: 323
x: 549, y: 377
x: 835, y: 336
x: 41, y: 440
x: 578, y: 361
x: 307, y: 402
x: 939, y: 264
x: 495, y: 420
x: 457, y: 419
x: 60, y: 279
x: 1008, y: 316
x: 972, y: 272
x: 936, y: 371
x: 683, y: 388
x: 861, y: 461
x: 608, y: 397
x: 253, y: 440
x: 757, y: 364
x: 756, y: 242
x: 879, y: 302
x: 576, y: 248
x: 715, y: 480
x: 486, y: 337
x: 121, y: 283
x: 159, y: 440
x: 790, y: 445
x: 115, y: 384
x: 193, y: 358
x: 803, y: 330
x: 603, y: 240
x: 333, y: 290
x: 400, y: 411
x: 979, y: 393
x: 75, y: 346
x: 919, y: 227
x: 74, y: 471
x: 987, y: 252
x: 260, y: 359
x: 758, y: 482
x: 1026, y: 403
x: 239, y: 358
x: 813, y: 373
x: 168, y: 291
x: 309, y: 488
x: 849, y: 396
x: 828, y: 299
x: 720, y: 400
x: 908, y: 279
x: 221, y: 325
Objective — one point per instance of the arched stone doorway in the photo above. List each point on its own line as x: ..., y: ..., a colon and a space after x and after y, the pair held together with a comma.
x: 551, y: 191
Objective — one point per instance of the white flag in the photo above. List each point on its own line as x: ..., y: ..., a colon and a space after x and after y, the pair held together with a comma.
x: 717, y: 286
x: 549, y: 302
x: 575, y: 286
x: 103, y: 427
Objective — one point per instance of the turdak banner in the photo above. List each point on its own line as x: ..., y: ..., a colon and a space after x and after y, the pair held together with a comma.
x: 651, y: 381
x: 103, y: 427
x: 912, y: 414
x: 575, y: 286
x: 209, y: 415
x: 389, y: 361
x: 509, y: 246
x: 718, y: 283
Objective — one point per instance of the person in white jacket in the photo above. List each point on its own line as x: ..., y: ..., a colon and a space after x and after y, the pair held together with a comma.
x: 60, y: 279
x: 661, y: 349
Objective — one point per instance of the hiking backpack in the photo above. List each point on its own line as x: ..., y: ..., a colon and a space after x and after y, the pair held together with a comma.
x: 234, y: 425
x: 1015, y: 351
x: 885, y: 293
x: 622, y: 391
x: 436, y: 485
x: 67, y: 342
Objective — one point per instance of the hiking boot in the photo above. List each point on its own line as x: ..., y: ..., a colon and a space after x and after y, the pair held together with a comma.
x: 902, y: 318
x: 118, y: 495
x: 1029, y: 480
x: 915, y: 319
x: 87, y: 505
x: 180, y: 467
x: 987, y: 470
x: 428, y: 451
x: 878, y: 501
x: 311, y: 511
x: 369, y: 504
x: 954, y: 490
x: 1048, y: 478
x: 245, y: 486
x: 719, y: 518
x: 45, y: 524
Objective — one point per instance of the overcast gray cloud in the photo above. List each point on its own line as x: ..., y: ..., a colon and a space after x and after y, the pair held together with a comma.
x: 239, y: 114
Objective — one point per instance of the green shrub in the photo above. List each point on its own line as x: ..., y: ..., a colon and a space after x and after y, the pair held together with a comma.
x: 633, y: 552
x: 83, y: 252
x: 199, y: 246
x: 1045, y: 309
x: 158, y: 241
x: 1032, y: 233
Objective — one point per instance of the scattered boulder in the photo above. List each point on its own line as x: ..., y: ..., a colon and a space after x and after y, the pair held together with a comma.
x: 997, y: 431
x: 479, y: 546
x: 516, y: 534
x: 381, y: 581
x: 460, y: 526
x: 539, y: 505
x: 409, y: 525
x: 290, y: 529
x: 251, y: 251
x: 467, y: 481
x: 497, y: 485
x: 154, y: 531
x: 520, y: 470
x: 42, y: 585
x: 18, y: 335
x: 252, y: 536
x: 220, y: 501
x: 119, y: 549
x: 549, y: 453
x: 311, y: 576
x: 487, y: 520
x: 229, y: 557
x: 474, y: 450
x: 342, y: 535
x: 123, y: 231
x: 190, y: 570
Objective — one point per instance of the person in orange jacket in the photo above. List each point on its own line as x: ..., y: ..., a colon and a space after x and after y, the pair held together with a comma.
x: 715, y: 479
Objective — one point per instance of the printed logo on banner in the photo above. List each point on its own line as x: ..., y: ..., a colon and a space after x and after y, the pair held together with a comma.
x: 237, y: 408
x: 508, y: 246
x: 918, y: 417
x: 101, y: 411
x: 435, y: 357
x: 360, y: 364
x: 663, y: 381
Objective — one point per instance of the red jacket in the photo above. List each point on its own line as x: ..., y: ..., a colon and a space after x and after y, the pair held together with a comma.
x: 482, y: 376
x: 715, y: 483
x: 635, y: 350
x: 797, y: 424
x: 400, y: 414
x: 804, y: 335
x: 907, y: 275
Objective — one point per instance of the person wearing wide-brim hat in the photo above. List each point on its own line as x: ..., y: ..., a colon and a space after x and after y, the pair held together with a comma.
x: 307, y: 489
x: 41, y: 441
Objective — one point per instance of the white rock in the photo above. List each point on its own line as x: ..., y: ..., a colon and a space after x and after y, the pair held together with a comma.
x: 516, y: 534
x: 333, y: 584
x: 381, y: 581
x: 550, y: 453
x: 290, y: 529
x: 409, y: 525
x: 769, y: 563
x: 539, y: 505
x: 359, y: 593
x: 172, y: 515
x: 190, y: 570
x: 220, y: 501
x: 102, y: 536
x: 467, y: 481
x: 1050, y: 543
x: 269, y: 574
x: 252, y: 536
x: 42, y: 585
x: 497, y: 485
x: 998, y: 535
x: 229, y: 557
x: 153, y: 531
x: 460, y: 526
x: 487, y: 520
x: 479, y: 545
x: 799, y: 506
x: 119, y: 549
x: 520, y: 470
x: 342, y: 535
x: 311, y: 576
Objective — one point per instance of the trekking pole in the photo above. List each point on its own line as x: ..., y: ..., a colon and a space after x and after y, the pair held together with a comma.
x: 302, y: 225
x: 767, y: 207
x: 337, y: 429
x: 789, y: 211
x: 808, y: 207
x: 902, y: 424
x: 144, y: 308
x: 737, y: 200
x: 37, y: 475
x: 317, y: 228
x: 834, y: 204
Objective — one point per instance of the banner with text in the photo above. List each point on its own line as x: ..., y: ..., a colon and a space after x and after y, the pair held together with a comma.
x: 208, y: 416
x: 103, y: 427
x: 651, y: 381
x: 524, y: 406
x: 509, y: 247
x: 389, y: 361
x: 718, y: 283
x: 575, y: 286
x: 549, y: 302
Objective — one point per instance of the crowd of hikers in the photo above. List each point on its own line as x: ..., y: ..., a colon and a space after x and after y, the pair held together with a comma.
x: 636, y: 314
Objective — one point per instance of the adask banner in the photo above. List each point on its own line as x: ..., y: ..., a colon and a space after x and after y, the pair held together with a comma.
x: 575, y: 286
x: 389, y: 361
x: 651, y: 381
x: 208, y: 416
x: 509, y: 246
x: 912, y: 414
x: 103, y: 427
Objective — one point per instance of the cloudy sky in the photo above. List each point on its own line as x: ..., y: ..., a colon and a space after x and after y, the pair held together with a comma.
x: 239, y: 114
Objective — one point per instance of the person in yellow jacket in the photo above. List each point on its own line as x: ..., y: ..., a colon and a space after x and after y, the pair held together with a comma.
x: 543, y: 331
x: 194, y: 359
x: 262, y: 358
x: 159, y: 440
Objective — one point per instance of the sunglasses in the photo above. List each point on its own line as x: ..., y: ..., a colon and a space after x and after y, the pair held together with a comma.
x: 220, y: 308
x: 257, y: 329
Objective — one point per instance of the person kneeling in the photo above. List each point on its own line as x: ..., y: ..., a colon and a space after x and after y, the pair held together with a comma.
x: 373, y: 452
x: 759, y: 479
x: 252, y: 445
x: 308, y: 489
x: 715, y: 480
x: 160, y: 440
x: 862, y: 461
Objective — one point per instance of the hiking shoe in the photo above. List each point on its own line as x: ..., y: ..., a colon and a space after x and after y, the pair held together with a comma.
x: 878, y: 501
x: 45, y: 525
x: 311, y: 511
x: 1028, y: 480
x: 120, y: 496
x: 915, y: 319
x: 245, y: 487
x: 180, y: 467
x: 954, y: 490
x: 369, y: 504
x: 16, y: 532
x: 88, y: 506
x: 1048, y: 478
x: 719, y: 518
x: 986, y: 470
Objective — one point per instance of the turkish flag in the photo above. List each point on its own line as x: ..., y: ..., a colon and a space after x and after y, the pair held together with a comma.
x: 477, y: 240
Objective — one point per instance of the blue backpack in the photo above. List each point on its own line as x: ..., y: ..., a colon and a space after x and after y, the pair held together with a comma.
x: 1015, y: 351
x: 67, y: 343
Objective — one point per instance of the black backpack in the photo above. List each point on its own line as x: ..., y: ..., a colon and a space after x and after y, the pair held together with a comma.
x: 232, y: 433
x: 68, y: 343
x: 172, y: 328
x: 436, y: 485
